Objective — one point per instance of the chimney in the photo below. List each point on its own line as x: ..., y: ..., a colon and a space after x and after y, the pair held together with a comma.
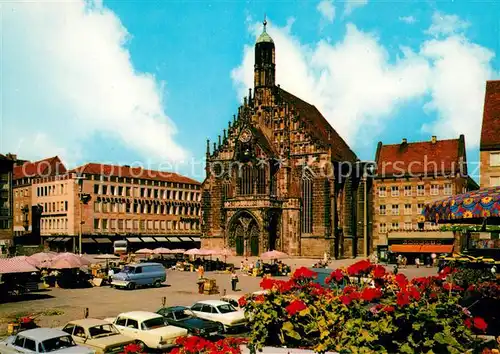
x: 404, y: 141
x: 433, y: 139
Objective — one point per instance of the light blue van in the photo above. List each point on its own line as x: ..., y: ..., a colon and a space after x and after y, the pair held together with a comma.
x: 142, y: 274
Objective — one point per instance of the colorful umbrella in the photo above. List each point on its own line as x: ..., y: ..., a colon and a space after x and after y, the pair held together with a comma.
x: 274, y: 255
x: 144, y: 251
x: 161, y: 250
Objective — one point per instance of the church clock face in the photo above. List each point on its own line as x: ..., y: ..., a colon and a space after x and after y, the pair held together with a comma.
x: 245, y: 136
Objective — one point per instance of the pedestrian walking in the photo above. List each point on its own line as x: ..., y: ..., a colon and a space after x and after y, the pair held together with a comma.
x: 201, y: 271
x: 234, y: 280
x: 417, y: 262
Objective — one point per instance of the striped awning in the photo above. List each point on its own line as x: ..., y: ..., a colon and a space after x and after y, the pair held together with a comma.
x: 185, y: 239
x: 173, y: 239
x: 134, y: 239
x: 148, y: 239
x: 161, y: 239
x: 195, y: 238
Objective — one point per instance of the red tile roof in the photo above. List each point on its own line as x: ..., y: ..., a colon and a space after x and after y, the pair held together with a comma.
x: 44, y: 168
x: 133, y: 172
x: 490, y: 132
x: 421, y: 158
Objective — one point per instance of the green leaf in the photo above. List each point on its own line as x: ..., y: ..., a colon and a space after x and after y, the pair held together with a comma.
x: 290, y: 330
x: 405, y: 348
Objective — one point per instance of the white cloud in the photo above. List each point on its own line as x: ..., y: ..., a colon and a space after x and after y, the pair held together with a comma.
x: 359, y: 88
x: 352, y: 82
x: 445, y: 25
x: 67, y: 77
x: 408, y: 19
x: 326, y: 9
x: 351, y: 5
x: 460, y: 70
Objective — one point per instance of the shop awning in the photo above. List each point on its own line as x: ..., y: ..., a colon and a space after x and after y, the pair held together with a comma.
x: 48, y: 239
x: 148, y: 239
x: 185, y: 239
x: 436, y: 249
x: 405, y: 248
x: 465, y: 207
x: 161, y: 239
x: 102, y: 240
x: 196, y: 238
x: 65, y: 239
x: 134, y: 239
x: 173, y: 239
x: 87, y: 240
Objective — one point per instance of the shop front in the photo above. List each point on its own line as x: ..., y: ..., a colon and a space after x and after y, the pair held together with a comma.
x: 423, y: 245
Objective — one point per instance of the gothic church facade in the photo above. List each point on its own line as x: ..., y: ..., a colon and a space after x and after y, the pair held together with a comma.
x: 281, y: 178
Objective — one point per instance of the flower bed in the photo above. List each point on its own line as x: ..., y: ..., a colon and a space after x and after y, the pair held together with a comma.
x: 391, y: 314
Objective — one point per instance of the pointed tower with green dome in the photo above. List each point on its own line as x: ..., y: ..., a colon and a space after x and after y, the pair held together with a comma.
x: 265, y: 67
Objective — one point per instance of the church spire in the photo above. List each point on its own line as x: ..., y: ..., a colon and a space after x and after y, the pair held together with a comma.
x: 265, y: 66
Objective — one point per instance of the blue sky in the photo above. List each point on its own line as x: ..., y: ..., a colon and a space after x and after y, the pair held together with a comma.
x: 131, y: 82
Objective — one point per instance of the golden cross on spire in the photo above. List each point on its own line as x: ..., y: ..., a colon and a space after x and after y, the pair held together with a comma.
x: 265, y: 22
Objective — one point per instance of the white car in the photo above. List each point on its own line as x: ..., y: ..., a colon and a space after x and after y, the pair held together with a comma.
x: 149, y: 329
x: 42, y: 340
x: 220, y: 312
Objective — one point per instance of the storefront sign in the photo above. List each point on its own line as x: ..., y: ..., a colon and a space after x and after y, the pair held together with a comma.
x: 421, y: 242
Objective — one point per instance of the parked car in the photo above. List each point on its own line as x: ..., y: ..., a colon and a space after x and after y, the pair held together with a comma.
x: 42, y: 340
x: 183, y: 317
x: 142, y: 274
x: 233, y: 299
x: 99, y: 335
x: 221, y: 312
x: 149, y: 329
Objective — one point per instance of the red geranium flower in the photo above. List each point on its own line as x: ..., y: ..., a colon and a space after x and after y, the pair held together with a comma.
x: 345, y: 299
x: 468, y: 322
x: 295, y: 306
x: 369, y: 294
x: 260, y: 299
x: 401, y: 280
x: 132, y: 348
x: 388, y: 309
x: 337, y: 275
x: 403, y: 298
x: 267, y: 284
x: 304, y: 272
x: 378, y: 271
x: 242, y: 301
x: 414, y: 293
x: 358, y: 268
x: 480, y: 323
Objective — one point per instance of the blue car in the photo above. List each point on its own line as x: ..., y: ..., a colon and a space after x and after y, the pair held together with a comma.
x: 137, y: 275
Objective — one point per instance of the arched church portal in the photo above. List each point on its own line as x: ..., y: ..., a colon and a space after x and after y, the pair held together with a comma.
x: 244, y: 234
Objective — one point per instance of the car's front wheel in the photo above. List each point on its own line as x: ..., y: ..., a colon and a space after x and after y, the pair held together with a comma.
x: 131, y: 286
x: 141, y: 345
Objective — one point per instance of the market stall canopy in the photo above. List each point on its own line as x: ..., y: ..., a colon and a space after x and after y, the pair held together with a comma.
x: 16, y: 265
x: 106, y: 256
x: 65, y: 261
x: 192, y: 252
x: 144, y: 251
x: 177, y: 251
x: 273, y: 255
x: 470, y: 208
x: 161, y: 250
x: 38, y: 258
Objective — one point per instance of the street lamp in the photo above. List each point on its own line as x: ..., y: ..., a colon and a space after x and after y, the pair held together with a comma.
x: 84, y: 199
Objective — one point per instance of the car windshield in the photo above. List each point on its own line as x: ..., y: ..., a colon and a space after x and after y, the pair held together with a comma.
x: 53, y: 344
x: 128, y: 269
x: 226, y: 308
x: 182, y: 315
x: 153, y: 323
x: 102, y: 331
